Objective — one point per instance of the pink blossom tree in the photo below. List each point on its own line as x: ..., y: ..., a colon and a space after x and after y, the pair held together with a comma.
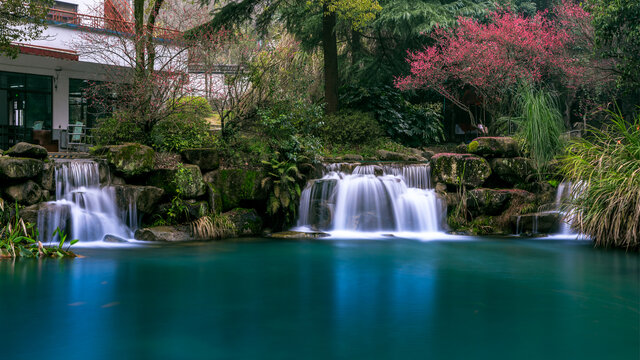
x: 493, y: 58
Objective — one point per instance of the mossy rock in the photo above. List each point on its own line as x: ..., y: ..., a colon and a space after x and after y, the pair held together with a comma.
x: 487, y: 201
x: 206, y: 158
x: 19, y: 168
x: 190, y: 186
x: 494, y: 147
x: 513, y: 170
x: 246, y: 222
x: 460, y: 169
x: 26, y: 150
x: 130, y: 159
x: 26, y: 193
x: 237, y: 186
x: 146, y: 197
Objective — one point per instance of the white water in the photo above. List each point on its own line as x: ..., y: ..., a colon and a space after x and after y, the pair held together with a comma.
x: 83, y: 209
x: 373, y: 201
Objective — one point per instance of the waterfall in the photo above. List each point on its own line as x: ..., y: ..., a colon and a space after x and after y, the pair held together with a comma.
x: 83, y: 209
x: 372, y: 198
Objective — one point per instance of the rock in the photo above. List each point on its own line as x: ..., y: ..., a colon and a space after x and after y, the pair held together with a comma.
x: 298, y: 235
x: 206, y: 158
x: 237, y: 187
x: 114, y: 239
x: 537, y: 223
x: 26, y: 193
x: 20, y: 168
x: 130, y: 159
x: 247, y: 222
x: 30, y: 213
x: 427, y: 154
x: 494, y: 147
x: 188, y: 181
x: 145, y: 197
x: 460, y: 169
x: 48, y: 177
x: 26, y: 150
x: 197, y: 209
x: 352, y: 157
x: 487, y: 201
x: 214, y: 198
x: 392, y: 156
x: 116, y: 180
x: 104, y: 172
x: 320, y: 209
x: 441, y: 188
x: 513, y: 170
x: 164, y: 233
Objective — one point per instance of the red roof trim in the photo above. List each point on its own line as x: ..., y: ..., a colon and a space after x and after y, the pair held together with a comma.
x: 48, y: 51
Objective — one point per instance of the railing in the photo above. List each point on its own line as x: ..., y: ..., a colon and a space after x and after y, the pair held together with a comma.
x: 91, y: 22
x: 79, y: 137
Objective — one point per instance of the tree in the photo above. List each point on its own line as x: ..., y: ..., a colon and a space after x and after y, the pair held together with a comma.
x: 356, y: 12
x: 492, y: 59
x: 148, y: 66
x: 21, y: 21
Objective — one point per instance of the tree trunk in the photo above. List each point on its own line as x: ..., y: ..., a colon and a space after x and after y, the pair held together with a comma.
x: 330, y: 50
x: 138, y: 16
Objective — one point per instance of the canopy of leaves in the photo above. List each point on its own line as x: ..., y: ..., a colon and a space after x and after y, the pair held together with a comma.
x: 617, y: 25
x: 21, y: 21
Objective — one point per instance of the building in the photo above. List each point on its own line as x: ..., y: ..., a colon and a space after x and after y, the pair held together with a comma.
x: 42, y: 97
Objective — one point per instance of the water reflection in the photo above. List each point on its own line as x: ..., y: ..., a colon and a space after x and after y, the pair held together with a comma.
x: 326, y: 299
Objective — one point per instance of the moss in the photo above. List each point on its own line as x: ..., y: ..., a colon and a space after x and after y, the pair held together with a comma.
x: 473, y: 146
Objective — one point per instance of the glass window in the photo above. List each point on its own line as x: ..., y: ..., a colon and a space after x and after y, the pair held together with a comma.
x: 39, y: 83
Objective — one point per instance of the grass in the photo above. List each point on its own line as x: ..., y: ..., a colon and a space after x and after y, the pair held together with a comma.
x: 540, y: 124
x: 605, y: 167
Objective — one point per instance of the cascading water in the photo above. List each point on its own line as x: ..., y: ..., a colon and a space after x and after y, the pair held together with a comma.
x: 373, y: 199
x: 83, y: 209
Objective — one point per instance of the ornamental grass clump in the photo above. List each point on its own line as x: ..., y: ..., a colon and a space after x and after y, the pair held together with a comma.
x: 606, y: 166
x: 540, y: 125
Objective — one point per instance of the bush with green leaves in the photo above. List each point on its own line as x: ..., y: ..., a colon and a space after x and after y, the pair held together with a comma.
x: 288, y: 128
x: 603, y: 167
x: 350, y: 127
x: 410, y: 124
x: 187, y: 127
x: 282, y: 183
x: 118, y: 129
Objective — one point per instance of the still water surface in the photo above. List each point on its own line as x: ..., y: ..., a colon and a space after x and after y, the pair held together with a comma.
x: 394, y: 299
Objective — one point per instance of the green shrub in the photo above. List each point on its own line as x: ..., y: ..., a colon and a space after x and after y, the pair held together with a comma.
x: 603, y: 167
x: 118, y: 129
x: 350, y: 127
x: 193, y: 106
x: 410, y: 124
x: 179, y: 132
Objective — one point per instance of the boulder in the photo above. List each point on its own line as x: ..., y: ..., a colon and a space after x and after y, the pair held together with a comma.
x: 237, y: 186
x: 352, y: 157
x: 186, y: 180
x: 396, y: 156
x: 164, y: 233
x: 460, y: 169
x: 487, y: 201
x: 26, y: 150
x: 537, y: 223
x: 48, y: 177
x: 494, y: 147
x: 298, y: 235
x: 130, y: 159
x: 320, y: 211
x: 19, y: 168
x: 246, y: 222
x: 197, y: 209
x: 214, y: 198
x: 207, y: 158
x: 145, y: 197
x: 26, y: 193
x: 513, y: 170
x: 113, y: 239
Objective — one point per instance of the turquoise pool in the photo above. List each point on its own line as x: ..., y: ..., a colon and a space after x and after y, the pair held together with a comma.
x: 326, y: 299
